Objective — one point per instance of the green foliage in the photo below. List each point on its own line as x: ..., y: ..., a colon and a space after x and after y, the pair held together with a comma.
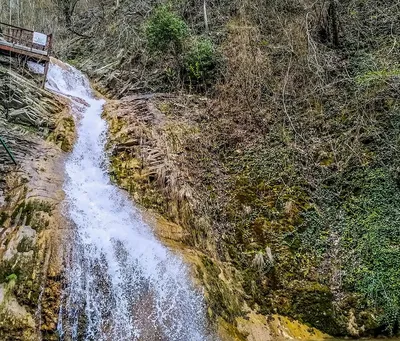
x: 195, y: 58
x: 371, y: 239
x: 12, y: 278
x: 200, y: 60
x: 165, y: 29
x: 373, y: 77
x: 365, y: 222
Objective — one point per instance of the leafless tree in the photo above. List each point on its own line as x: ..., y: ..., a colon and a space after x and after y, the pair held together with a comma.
x: 67, y: 7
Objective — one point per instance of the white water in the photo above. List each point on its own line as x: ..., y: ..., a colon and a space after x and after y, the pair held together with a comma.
x: 121, y: 283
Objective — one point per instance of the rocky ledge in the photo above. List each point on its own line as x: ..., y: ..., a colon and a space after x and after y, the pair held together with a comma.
x: 38, y: 129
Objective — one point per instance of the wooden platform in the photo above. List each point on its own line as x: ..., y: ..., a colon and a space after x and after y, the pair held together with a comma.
x: 35, y: 46
x: 21, y: 49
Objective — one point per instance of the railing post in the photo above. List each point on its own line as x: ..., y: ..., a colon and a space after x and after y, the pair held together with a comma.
x: 46, y: 70
x: 50, y: 43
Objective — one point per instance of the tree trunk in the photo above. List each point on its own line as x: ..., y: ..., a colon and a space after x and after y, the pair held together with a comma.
x: 205, y: 16
x: 334, y: 23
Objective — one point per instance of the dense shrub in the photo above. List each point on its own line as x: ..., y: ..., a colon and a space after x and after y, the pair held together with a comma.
x: 165, y: 30
x: 200, y: 60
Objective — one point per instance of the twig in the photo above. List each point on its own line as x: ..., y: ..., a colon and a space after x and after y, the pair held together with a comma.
x: 79, y: 34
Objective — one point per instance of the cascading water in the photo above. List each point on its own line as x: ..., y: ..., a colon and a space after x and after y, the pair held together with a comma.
x: 122, y: 284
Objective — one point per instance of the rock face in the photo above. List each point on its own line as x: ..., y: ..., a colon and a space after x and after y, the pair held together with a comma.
x: 37, y: 129
x: 155, y: 150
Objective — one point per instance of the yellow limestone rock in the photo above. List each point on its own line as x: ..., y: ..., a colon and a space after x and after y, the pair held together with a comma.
x: 257, y: 327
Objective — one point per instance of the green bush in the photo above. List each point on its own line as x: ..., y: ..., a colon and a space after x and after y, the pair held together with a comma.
x: 200, y: 60
x: 165, y: 30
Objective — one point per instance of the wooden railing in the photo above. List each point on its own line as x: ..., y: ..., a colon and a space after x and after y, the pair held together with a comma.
x: 25, y: 39
x: 31, y: 44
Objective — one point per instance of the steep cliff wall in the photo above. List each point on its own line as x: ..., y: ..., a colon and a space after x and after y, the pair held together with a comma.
x: 158, y: 154
x: 38, y: 130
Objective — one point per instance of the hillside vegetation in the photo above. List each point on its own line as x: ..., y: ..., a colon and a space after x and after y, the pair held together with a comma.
x: 285, y: 126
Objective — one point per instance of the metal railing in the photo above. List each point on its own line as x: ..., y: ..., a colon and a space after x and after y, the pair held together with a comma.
x: 10, y: 154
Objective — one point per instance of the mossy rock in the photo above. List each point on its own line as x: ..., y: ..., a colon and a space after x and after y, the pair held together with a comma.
x: 35, y: 212
x: 64, y: 134
x: 221, y: 296
x: 312, y: 303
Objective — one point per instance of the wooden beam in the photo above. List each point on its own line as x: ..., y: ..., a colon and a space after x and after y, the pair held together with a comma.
x: 36, y: 56
x: 13, y: 26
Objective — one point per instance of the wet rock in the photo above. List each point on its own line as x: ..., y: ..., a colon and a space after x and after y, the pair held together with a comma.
x: 38, y: 129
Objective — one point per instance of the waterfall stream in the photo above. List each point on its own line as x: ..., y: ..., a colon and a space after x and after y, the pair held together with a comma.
x: 121, y: 282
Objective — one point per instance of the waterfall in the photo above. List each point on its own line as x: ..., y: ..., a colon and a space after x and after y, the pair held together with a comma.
x: 122, y: 284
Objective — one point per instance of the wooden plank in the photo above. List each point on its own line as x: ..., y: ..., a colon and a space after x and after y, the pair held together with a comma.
x: 23, y: 47
x: 36, y: 56
x: 20, y: 28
